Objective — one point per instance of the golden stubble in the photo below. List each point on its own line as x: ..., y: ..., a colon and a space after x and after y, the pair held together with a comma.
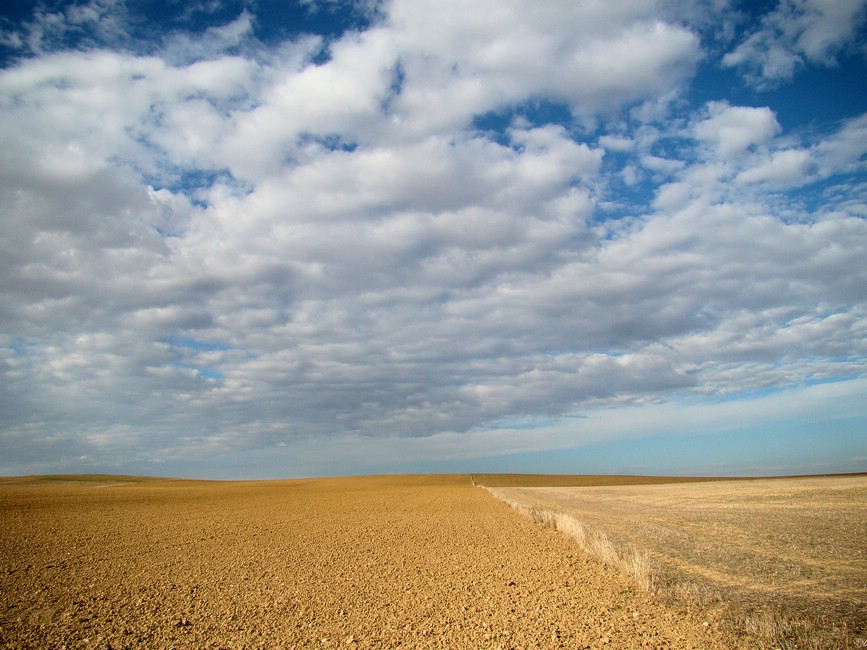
x: 784, y: 560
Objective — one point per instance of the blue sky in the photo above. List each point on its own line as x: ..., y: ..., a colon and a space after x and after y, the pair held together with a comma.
x: 269, y: 239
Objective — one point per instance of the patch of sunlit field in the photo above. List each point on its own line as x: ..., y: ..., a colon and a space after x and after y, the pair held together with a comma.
x: 783, y: 559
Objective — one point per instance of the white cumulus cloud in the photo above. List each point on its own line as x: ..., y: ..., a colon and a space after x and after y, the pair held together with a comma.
x: 797, y: 32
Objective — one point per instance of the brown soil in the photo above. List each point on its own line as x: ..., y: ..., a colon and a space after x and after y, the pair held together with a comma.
x: 381, y: 562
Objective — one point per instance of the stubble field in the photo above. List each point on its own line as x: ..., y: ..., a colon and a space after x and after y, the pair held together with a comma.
x: 782, y: 559
x: 388, y: 562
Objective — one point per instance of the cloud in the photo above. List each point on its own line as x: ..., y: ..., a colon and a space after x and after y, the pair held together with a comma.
x: 743, y: 154
x: 217, y: 247
x: 734, y: 129
x: 781, y: 167
x: 617, y: 143
x: 83, y: 25
x: 461, y: 61
x: 844, y: 151
x: 214, y: 43
x: 797, y: 33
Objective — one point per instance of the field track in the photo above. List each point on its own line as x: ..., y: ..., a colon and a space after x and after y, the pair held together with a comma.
x: 379, y: 562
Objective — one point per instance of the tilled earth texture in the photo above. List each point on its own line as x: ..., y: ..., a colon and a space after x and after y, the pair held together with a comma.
x: 379, y: 562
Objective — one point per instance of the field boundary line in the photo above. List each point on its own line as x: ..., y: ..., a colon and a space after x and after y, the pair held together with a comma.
x: 623, y: 558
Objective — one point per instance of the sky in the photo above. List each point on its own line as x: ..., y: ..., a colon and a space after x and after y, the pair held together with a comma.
x: 262, y: 239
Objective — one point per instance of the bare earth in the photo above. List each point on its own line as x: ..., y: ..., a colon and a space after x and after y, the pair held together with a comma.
x: 796, y: 547
x: 387, y: 562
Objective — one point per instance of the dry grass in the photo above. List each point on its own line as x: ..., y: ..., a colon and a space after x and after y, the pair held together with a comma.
x: 778, y: 630
x: 781, y: 561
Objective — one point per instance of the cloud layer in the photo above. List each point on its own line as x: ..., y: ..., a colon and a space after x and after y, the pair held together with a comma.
x: 453, y: 219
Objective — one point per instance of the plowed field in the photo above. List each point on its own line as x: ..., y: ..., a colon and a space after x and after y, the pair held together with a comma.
x: 387, y: 562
